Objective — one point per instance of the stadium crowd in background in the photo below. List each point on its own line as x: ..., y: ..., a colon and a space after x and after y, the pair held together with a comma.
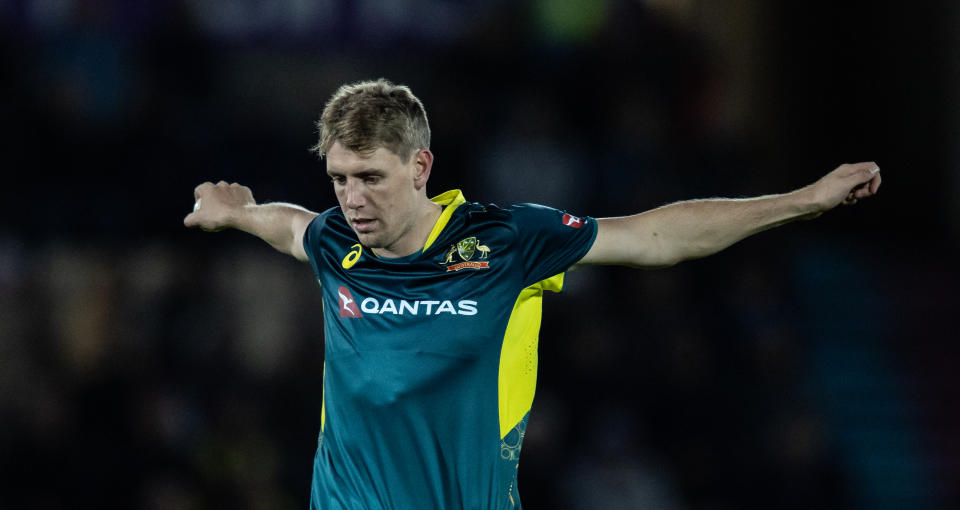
x: 726, y: 383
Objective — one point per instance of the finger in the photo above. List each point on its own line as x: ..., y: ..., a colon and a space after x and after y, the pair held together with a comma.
x: 868, y: 188
x: 190, y: 220
x: 865, y: 172
x: 199, y: 189
x: 852, y: 169
x: 851, y: 196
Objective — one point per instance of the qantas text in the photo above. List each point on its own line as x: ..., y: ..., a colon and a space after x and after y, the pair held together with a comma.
x: 422, y: 307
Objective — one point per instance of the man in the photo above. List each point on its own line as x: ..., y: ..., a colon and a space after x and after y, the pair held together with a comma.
x: 432, y: 305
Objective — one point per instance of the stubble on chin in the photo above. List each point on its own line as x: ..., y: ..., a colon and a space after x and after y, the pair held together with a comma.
x: 371, y: 239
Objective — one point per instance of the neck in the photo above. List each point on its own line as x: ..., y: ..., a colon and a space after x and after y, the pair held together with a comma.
x: 414, y: 239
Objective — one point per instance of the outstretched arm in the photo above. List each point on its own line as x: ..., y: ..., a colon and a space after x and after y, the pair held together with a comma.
x: 687, y: 230
x: 219, y: 206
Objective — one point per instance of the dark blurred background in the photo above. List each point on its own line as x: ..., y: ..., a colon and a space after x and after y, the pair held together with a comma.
x: 144, y: 365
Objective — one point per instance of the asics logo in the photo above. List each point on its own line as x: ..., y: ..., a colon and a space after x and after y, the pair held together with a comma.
x: 352, y: 256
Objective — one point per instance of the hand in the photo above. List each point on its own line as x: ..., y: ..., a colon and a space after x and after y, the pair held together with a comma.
x: 218, y: 205
x: 845, y: 185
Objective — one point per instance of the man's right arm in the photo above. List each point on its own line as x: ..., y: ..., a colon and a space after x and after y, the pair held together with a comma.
x: 219, y: 206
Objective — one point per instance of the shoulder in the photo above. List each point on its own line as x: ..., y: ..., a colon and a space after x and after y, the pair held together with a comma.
x: 484, y: 223
x: 511, y: 213
x: 489, y: 216
x: 331, y: 218
x: 476, y: 211
x: 539, y: 217
x: 521, y: 217
x: 327, y: 229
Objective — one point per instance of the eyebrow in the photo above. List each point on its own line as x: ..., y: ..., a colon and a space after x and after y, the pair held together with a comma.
x: 366, y: 172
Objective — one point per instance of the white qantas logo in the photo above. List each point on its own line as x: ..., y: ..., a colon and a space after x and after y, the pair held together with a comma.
x: 348, y: 307
x: 419, y: 307
x: 345, y: 303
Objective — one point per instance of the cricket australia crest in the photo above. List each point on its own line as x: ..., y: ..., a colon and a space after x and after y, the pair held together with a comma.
x: 466, y: 249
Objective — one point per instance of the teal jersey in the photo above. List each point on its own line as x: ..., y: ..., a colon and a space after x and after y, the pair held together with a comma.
x: 431, y: 359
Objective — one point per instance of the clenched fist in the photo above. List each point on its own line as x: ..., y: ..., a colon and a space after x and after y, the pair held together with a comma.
x: 218, y: 206
x: 845, y: 185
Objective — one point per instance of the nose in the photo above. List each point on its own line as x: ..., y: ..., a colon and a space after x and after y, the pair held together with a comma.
x: 353, y: 194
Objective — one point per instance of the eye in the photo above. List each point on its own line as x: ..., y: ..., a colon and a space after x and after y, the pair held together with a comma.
x: 338, y: 179
x: 372, y: 179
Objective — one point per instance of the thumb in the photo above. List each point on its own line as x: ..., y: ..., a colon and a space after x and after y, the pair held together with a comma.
x: 191, y: 219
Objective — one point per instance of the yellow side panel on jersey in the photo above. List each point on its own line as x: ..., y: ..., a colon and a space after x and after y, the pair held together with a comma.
x: 517, y: 381
x: 323, y: 400
x: 323, y: 386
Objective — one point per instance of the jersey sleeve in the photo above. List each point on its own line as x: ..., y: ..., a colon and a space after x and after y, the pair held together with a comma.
x: 550, y: 240
x: 313, y: 238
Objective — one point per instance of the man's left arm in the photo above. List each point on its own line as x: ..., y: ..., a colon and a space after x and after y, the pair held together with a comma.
x: 696, y: 228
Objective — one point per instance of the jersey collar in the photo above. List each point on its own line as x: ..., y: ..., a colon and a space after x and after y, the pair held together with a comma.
x: 450, y: 200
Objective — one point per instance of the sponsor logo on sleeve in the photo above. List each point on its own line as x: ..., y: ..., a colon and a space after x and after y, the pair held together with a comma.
x: 572, y: 221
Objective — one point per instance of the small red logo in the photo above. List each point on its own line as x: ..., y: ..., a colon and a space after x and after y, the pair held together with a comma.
x: 572, y: 221
x: 348, y: 307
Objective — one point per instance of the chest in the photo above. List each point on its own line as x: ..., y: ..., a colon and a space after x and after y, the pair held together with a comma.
x: 455, y: 301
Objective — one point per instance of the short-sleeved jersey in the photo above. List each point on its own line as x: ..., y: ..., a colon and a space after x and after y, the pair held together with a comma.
x: 431, y: 359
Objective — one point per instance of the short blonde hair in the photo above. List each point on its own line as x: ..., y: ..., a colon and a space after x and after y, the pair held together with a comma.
x: 366, y: 115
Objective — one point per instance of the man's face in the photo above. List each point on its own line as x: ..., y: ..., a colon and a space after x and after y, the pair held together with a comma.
x: 376, y: 193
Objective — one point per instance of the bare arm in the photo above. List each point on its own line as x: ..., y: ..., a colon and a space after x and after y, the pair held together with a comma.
x: 219, y: 206
x: 687, y: 230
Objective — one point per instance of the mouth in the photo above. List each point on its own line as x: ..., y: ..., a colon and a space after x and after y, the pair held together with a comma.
x: 363, y: 225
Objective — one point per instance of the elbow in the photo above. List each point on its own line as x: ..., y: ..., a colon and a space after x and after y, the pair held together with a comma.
x: 669, y: 253
x: 655, y: 259
x: 661, y: 263
x: 675, y: 253
x: 695, y: 249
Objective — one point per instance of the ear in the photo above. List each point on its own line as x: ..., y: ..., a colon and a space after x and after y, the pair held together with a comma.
x: 422, y: 163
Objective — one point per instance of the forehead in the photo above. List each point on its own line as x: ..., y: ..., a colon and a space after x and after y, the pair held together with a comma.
x: 341, y: 159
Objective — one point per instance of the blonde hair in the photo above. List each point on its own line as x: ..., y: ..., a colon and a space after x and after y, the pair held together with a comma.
x: 366, y: 115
